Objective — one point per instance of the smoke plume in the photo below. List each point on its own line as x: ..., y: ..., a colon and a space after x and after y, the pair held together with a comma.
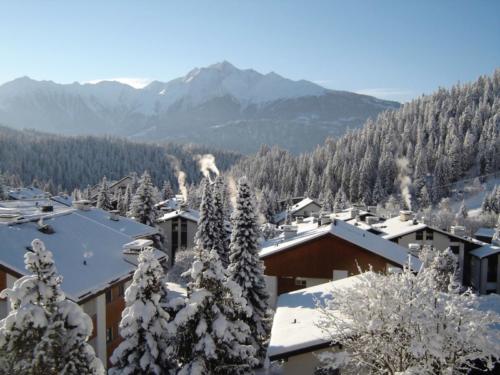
x: 180, y: 174
x: 207, y: 164
x: 404, y: 180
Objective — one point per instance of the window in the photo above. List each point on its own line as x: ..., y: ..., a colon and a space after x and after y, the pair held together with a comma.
x: 419, y: 235
x: 109, y: 335
x: 121, y: 290
x: 429, y: 234
x: 492, y: 269
x: 300, y: 282
x: 455, y: 249
x: 184, y: 233
x: 109, y: 296
x: 340, y: 274
x: 175, y: 237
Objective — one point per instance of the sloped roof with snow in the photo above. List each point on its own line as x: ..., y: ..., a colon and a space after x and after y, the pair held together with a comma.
x: 350, y: 233
x: 294, y: 324
x: 394, y: 227
x: 485, y: 232
x: 485, y: 251
x: 77, y: 236
x: 27, y: 193
x: 188, y: 214
x: 280, y: 216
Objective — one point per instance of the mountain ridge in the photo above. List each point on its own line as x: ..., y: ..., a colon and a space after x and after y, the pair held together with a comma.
x: 189, y: 108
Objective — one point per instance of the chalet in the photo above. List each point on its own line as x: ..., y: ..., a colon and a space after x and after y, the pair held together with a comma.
x: 295, y: 337
x: 94, y: 251
x: 313, y: 253
x: 485, y: 266
x: 113, y: 187
x: 406, y: 230
x: 179, y: 229
x: 304, y: 208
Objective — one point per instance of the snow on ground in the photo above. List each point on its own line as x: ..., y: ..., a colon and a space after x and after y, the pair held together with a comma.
x: 474, y: 200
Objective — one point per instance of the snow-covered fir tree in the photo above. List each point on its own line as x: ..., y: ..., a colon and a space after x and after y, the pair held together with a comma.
x: 103, y: 196
x: 146, y: 347
x: 220, y: 234
x: 124, y: 204
x: 211, y: 339
x: 206, y: 235
x: 341, y: 202
x: 403, y: 323
x: 142, y: 207
x: 44, y: 333
x: 246, y: 268
x: 167, y: 191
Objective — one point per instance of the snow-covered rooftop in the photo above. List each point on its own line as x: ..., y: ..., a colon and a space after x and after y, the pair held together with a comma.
x: 27, y: 193
x: 485, y: 232
x: 394, y: 227
x: 360, y: 237
x: 87, y: 245
x: 295, y: 321
x: 280, y: 216
x: 485, y: 251
x: 188, y: 214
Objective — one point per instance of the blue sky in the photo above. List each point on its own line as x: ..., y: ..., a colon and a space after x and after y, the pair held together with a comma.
x: 391, y: 49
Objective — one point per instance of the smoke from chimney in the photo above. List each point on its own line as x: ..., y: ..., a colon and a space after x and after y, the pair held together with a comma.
x: 180, y: 174
x: 404, y: 180
x: 207, y: 164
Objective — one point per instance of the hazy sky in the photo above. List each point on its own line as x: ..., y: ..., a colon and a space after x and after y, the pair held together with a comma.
x: 391, y: 49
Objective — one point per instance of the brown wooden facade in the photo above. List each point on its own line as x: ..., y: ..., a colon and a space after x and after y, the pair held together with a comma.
x: 317, y: 259
x: 115, y: 303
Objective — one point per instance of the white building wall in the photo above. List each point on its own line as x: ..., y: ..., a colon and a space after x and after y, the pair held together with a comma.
x: 100, y: 348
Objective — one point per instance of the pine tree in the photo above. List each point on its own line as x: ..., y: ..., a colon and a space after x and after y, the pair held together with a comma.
x: 378, y: 192
x: 220, y: 240
x: 124, y: 204
x: 103, y: 198
x: 44, y: 332
x: 3, y: 188
x: 341, y: 202
x: 167, y: 192
x: 142, y: 208
x: 210, y: 337
x: 424, y: 198
x: 246, y: 268
x: 145, y: 347
x: 205, y: 237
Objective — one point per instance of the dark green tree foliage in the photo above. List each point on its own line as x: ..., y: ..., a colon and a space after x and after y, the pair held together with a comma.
x: 142, y: 207
x: 206, y: 235
x: 220, y: 233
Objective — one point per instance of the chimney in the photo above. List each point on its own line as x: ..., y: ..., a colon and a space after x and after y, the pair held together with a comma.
x: 289, y: 231
x: 370, y: 220
x: 325, y: 220
x: 83, y: 205
x: 414, y: 249
x: 299, y: 219
x: 114, y: 215
x: 354, y: 213
x: 458, y: 230
x: 136, y: 246
x: 405, y: 215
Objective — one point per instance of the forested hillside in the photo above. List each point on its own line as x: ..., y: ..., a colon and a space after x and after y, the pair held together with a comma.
x: 415, y: 152
x: 65, y: 163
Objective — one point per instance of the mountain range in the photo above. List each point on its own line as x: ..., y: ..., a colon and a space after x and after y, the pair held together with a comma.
x: 219, y: 105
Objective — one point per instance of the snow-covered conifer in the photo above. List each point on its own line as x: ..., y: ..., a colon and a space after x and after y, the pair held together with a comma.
x: 166, y: 191
x: 341, y: 202
x: 103, y: 197
x: 205, y: 237
x: 142, y: 207
x: 210, y: 337
x: 220, y: 234
x: 44, y: 333
x: 246, y: 268
x: 146, y: 346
